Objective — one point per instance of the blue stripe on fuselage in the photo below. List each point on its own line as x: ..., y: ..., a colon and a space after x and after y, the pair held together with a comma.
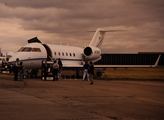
x: 43, y: 59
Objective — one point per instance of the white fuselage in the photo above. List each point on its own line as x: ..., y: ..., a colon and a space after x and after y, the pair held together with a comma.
x: 35, y: 52
x: 33, y: 59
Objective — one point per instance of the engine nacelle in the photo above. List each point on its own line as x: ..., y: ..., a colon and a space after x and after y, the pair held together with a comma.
x: 92, y: 53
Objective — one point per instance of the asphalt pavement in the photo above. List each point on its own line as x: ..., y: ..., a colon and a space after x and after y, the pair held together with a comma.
x: 70, y: 99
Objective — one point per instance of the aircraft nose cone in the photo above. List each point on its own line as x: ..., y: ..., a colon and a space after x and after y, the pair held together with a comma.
x: 12, y: 59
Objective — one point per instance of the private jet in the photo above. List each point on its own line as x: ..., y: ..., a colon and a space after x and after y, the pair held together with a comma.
x: 35, y: 52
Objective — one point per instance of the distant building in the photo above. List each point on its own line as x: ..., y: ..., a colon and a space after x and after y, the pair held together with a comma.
x: 142, y: 58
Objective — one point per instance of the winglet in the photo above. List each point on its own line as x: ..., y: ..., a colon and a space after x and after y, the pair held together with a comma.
x: 156, y: 63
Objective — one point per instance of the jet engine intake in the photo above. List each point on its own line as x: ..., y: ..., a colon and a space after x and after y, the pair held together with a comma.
x: 91, y: 53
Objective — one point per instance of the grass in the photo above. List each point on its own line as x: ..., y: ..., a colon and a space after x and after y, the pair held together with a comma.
x: 156, y: 73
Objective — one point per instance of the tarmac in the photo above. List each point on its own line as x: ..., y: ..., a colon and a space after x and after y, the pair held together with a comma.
x: 70, y: 99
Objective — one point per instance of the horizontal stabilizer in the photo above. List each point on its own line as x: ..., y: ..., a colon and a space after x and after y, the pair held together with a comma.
x: 108, y: 31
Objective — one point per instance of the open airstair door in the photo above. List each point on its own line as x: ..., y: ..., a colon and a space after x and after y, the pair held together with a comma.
x: 49, y: 53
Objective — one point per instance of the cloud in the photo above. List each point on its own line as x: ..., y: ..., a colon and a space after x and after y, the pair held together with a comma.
x: 67, y: 21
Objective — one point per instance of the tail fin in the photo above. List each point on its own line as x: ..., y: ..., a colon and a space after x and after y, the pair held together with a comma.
x: 98, y: 38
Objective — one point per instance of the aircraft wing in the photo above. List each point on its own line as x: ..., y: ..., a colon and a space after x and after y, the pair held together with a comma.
x: 116, y: 66
x: 128, y: 66
x: 122, y: 66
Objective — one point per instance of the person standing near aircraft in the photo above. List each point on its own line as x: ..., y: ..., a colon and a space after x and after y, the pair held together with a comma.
x: 45, y: 69
x: 86, y: 67
x: 55, y: 71
x: 60, y: 66
x: 91, y: 72
x: 16, y: 68
x: 21, y: 71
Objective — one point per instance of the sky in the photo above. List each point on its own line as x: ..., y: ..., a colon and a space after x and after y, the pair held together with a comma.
x: 67, y: 22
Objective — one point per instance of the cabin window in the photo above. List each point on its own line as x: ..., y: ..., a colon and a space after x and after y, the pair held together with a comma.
x: 27, y: 49
x: 74, y: 54
x: 55, y: 53
x: 59, y: 53
x: 36, y: 50
x: 66, y: 54
x: 70, y: 54
x: 63, y: 54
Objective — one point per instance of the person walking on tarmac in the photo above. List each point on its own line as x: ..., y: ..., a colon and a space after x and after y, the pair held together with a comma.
x: 60, y: 66
x: 55, y: 71
x: 16, y: 68
x: 85, y: 68
x: 45, y: 69
x: 91, y: 72
x: 21, y: 71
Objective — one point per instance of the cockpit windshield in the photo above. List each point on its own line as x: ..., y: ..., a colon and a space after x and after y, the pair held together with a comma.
x: 29, y: 49
x: 20, y: 49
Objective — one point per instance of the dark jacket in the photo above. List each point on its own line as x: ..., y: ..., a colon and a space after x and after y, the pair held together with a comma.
x: 91, y: 69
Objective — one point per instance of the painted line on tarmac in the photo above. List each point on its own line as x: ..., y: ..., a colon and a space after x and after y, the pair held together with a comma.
x: 113, y: 94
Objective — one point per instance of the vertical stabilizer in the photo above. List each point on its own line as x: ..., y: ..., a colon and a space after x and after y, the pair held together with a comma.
x: 97, y: 38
